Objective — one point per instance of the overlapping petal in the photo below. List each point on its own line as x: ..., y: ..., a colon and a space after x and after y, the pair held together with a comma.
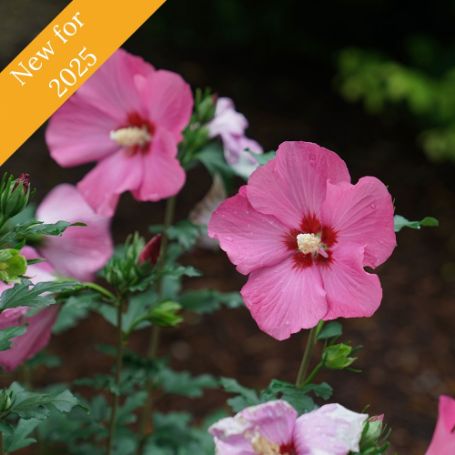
x: 443, y: 441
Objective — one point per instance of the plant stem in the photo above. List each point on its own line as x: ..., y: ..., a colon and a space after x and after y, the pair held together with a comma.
x: 100, y: 290
x: 118, y: 372
x: 2, y: 448
x: 155, y: 330
x: 305, y: 364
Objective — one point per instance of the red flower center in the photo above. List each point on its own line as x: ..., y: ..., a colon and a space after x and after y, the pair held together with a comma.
x: 287, y: 449
x: 136, y: 135
x: 311, y: 243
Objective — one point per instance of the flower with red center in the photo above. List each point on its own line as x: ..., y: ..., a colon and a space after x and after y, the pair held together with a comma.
x: 128, y: 118
x: 274, y: 428
x: 443, y: 442
x: 304, y: 234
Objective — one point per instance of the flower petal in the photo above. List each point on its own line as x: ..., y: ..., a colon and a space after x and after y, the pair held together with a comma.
x: 284, y: 299
x: 293, y: 185
x: 351, y: 291
x: 362, y: 214
x: 251, y: 240
x: 329, y: 430
x: 80, y: 251
x: 227, y: 121
x: 102, y: 186
x: 163, y: 176
x: 443, y: 441
x: 169, y: 101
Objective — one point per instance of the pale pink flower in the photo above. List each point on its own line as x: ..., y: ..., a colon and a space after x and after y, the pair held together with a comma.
x: 443, y: 442
x: 230, y: 126
x: 128, y: 118
x: 304, y: 234
x: 80, y: 251
x: 39, y: 326
x: 274, y: 428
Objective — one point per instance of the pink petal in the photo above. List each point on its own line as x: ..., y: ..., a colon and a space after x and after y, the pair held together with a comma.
x: 273, y: 421
x: 80, y: 251
x: 362, y: 214
x: 116, y: 174
x: 329, y: 430
x: 11, y: 317
x: 284, y: 299
x: 251, y: 240
x: 79, y: 133
x: 227, y: 120
x: 169, y: 101
x: 293, y: 185
x: 443, y: 442
x: 351, y: 292
x: 32, y: 341
x: 163, y: 176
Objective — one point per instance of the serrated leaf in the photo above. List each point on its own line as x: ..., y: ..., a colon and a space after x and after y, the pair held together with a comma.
x: 207, y: 300
x: 73, y: 310
x: 183, y: 383
x: 298, y: 398
x: 245, y: 397
x: 7, y: 336
x: 19, y: 438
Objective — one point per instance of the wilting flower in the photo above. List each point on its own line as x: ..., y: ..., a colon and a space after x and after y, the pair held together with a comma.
x: 443, y: 442
x: 81, y: 250
x: 230, y: 125
x: 78, y: 253
x: 129, y: 118
x: 204, y: 209
x: 304, y: 234
x: 273, y: 428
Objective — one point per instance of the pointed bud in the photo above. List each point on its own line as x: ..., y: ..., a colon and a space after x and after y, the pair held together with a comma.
x: 23, y: 179
x: 151, y: 251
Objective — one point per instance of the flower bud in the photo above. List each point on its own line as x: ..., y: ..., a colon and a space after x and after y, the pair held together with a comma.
x: 337, y: 356
x: 6, y: 401
x: 12, y: 265
x: 151, y: 251
x: 24, y: 180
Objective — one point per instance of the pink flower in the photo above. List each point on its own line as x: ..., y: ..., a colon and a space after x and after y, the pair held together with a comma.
x: 273, y: 428
x: 39, y: 326
x: 304, y: 234
x: 80, y: 251
x: 230, y: 125
x: 443, y: 442
x: 128, y: 118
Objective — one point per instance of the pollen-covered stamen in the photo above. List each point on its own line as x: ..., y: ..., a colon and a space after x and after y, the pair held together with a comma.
x: 263, y: 446
x: 131, y: 136
x: 309, y: 243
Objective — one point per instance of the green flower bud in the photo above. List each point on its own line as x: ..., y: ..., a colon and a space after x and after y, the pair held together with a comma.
x: 14, y: 195
x: 337, y: 356
x: 12, y: 265
x: 165, y: 314
x: 6, y: 401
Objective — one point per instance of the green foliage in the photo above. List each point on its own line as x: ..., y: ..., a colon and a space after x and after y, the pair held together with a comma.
x: 264, y: 158
x: 183, y: 383
x: 333, y: 329
x: 184, y: 232
x: 207, y: 300
x: 19, y: 436
x: 378, y: 82
x: 338, y: 356
x: 8, y: 334
x: 12, y: 265
x: 401, y: 222
x: 374, y: 438
x: 14, y: 197
x: 73, y: 310
x: 165, y: 314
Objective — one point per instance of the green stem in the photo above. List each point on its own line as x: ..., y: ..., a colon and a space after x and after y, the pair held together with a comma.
x: 155, y: 330
x: 313, y: 374
x: 2, y: 445
x: 118, y: 372
x: 306, y: 359
x: 100, y: 290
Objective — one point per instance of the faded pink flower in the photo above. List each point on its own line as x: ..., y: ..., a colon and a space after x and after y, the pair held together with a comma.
x: 128, y: 118
x: 39, y: 326
x: 80, y: 251
x: 304, y: 234
x: 443, y: 442
x: 230, y: 125
x: 273, y: 428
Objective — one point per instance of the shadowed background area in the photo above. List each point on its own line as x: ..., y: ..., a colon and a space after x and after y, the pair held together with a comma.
x: 290, y: 70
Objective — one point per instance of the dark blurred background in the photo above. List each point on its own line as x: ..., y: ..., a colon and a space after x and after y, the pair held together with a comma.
x: 373, y: 80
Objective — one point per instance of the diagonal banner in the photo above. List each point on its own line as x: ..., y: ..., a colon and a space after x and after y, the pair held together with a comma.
x: 60, y: 59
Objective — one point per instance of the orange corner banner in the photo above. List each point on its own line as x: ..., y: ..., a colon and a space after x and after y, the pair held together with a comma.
x: 60, y: 59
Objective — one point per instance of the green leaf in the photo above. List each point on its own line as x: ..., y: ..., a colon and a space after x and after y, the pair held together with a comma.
x: 263, y: 158
x: 245, y: 397
x: 296, y: 397
x: 333, y: 329
x: 401, y: 222
x: 207, y: 300
x: 7, y: 335
x: 185, y: 233
x: 20, y: 437
x: 74, y: 309
x: 183, y: 383
x: 322, y: 390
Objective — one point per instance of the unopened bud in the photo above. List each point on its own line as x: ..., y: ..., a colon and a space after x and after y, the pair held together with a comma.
x: 23, y: 179
x: 12, y: 265
x: 151, y: 251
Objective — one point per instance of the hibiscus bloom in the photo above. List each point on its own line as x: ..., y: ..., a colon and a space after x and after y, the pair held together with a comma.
x: 230, y: 126
x: 443, y: 442
x: 78, y: 253
x: 128, y: 118
x: 304, y: 234
x: 274, y: 428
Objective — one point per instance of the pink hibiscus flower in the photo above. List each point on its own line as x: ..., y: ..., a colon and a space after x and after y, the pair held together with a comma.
x: 128, y: 118
x: 443, y: 442
x: 230, y: 125
x: 304, y: 234
x: 273, y: 428
x: 78, y: 253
